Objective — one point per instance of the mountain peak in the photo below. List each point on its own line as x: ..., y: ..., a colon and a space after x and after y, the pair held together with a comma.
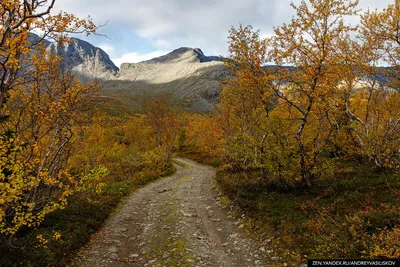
x: 182, y: 54
x: 197, y: 52
x: 85, y: 59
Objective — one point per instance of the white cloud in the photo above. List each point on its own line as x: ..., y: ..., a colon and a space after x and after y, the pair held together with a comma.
x: 195, y: 23
x: 134, y: 57
x: 161, y: 43
x: 109, y: 49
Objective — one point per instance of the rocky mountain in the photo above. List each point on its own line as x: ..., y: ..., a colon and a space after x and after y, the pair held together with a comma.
x: 88, y: 61
x: 85, y: 59
x: 35, y: 39
x: 186, y: 75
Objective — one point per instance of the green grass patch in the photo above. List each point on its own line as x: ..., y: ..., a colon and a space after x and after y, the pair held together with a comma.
x: 171, y: 250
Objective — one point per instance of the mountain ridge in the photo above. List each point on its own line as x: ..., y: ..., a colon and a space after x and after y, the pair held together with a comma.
x: 190, y: 78
x: 186, y: 75
x: 175, y: 55
x: 80, y: 56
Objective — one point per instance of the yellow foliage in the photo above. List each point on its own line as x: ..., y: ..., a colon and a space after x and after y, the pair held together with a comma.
x: 386, y: 243
x: 39, y: 105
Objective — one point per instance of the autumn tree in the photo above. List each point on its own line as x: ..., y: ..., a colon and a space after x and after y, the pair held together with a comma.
x: 18, y: 20
x: 35, y: 176
x: 166, y: 123
x: 204, y: 135
x: 39, y: 105
x: 285, y: 115
x: 380, y: 33
x: 372, y: 105
x: 312, y: 43
x: 246, y: 99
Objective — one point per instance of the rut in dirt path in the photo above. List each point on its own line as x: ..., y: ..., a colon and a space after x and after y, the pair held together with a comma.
x: 177, y: 221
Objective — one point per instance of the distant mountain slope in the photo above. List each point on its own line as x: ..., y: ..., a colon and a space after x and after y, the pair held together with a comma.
x: 189, y: 77
x: 85, y: 59
x: 88, y: 61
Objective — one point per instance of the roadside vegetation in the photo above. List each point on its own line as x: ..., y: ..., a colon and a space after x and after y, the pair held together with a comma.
x: 309, y: 147
x: 68, y: 156
x: 123, y: 146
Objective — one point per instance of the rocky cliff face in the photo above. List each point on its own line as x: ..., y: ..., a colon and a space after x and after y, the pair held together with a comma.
x: 88, y: 61
x: 85, y: 59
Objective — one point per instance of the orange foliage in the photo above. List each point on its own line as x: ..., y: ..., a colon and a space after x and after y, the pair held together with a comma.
x: 294, y: 122
x: 203, y: 134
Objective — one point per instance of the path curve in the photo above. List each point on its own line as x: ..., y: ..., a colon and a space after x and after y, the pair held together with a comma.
x: 176, y: 221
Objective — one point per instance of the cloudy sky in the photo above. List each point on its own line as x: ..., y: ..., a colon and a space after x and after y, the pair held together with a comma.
x: 142, y: 29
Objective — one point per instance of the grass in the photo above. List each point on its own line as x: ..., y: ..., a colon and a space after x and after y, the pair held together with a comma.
x: 176, y: 253
x: 355, y: 214
x: 76, y: 223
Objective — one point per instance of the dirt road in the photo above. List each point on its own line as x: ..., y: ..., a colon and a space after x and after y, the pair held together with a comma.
x: 177, y: 221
